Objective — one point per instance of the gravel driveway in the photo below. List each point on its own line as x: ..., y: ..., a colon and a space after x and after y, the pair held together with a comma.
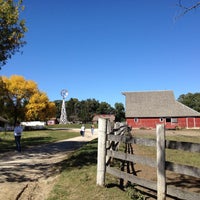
x: 31, y: 174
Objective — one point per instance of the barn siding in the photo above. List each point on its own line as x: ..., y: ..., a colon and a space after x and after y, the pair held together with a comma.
x: 190, y: 122
x: 143, y: 122
x: 198, y: 122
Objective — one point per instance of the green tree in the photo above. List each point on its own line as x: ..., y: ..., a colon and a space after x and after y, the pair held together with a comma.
x: 93, y: 106
x: 105, y: 108
x: 119, y: 112
x: 85, y: 110
x: 191, y: 100
x: 58, y: 104
x: 71, y: 110
x: 84, y: 114
x: 12, y: 29
x: 2, y: 98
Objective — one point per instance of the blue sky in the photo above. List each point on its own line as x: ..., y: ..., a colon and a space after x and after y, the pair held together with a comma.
x: 101, y: 48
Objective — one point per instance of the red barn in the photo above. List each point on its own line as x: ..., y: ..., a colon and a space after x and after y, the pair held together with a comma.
x: 146, y: 109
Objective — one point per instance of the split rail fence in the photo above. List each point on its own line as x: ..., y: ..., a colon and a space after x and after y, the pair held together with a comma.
x: 108, y: 143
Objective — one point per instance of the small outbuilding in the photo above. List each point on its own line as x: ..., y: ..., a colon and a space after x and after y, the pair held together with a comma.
x: 3, y: 122
x: 146, y: 109
x: 111, y: 117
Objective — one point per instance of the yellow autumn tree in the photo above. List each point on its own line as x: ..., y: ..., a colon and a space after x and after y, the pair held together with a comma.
x: 18, y: 88
x: 20, y: 93
x: 39, y: 107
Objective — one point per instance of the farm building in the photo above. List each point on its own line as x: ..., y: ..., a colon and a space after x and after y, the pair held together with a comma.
x: 105, y: 116
x: 3, y: 120
x: 3, y: 123
x: 146, y: 109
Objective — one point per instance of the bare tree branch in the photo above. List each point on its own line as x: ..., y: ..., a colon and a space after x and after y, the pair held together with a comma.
x: 187, y: 9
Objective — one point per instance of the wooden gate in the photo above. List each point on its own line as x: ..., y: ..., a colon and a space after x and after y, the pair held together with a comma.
x: 108, y: 149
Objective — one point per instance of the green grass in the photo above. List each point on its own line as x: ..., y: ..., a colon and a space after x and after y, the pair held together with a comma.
x: 177, y: 156
x: 78, y: 173
x: 87, y: 126
x: 78, y: 179
x: 32, y: 138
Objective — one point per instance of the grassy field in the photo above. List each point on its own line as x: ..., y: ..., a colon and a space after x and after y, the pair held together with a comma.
x: 32, y: 138
x: 181, y: 157
x: 78, y: 179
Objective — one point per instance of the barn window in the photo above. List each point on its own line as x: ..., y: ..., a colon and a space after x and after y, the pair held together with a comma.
x: 135, y: 119
x: 174, y: 120
x: 168, y: 119
x: 161, y: 119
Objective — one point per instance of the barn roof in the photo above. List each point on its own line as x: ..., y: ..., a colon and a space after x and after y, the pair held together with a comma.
x: 3, y: 120
x: 156, y: 104
x: 105, y: 116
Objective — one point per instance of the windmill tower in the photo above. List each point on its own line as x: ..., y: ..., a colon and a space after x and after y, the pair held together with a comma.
x: 63, y: 116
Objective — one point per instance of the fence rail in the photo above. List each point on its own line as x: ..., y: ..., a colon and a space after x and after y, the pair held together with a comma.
x: 160, y: 163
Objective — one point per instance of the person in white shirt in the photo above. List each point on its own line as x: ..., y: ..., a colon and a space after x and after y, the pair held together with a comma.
x: 82, y: 130
x: 17, y: 133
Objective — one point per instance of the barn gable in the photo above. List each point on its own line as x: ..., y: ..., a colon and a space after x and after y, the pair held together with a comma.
x: 156, y: 104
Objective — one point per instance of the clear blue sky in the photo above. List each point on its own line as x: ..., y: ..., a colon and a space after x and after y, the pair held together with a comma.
x: 101, y: 48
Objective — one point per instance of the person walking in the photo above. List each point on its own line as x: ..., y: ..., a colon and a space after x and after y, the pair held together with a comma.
x: 17, y: 134
x: 82, y: 130
x: 92, y: 129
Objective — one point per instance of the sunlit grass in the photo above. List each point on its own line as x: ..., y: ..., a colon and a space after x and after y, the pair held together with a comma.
x: 32, y: 138
x: 173, y: 155
x: 78, y: 179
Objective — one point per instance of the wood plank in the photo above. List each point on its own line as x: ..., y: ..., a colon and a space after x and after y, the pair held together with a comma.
x: 170, y: 166
x: 161, y: 175
x: 101, y: 154
x: 133, y: 179
x: 185, y: 146
x: 183, y: 169
x: 181, y: 194
x: 170, y: 190
x: 132, y: 158
x: 170, y: 144
x: 132, y: 140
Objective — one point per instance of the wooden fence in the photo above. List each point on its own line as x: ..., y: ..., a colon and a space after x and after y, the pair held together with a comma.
x: 108, y: 142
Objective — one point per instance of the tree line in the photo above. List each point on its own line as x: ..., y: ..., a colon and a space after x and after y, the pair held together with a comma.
x: 85, y: 110
x: 21, y: 99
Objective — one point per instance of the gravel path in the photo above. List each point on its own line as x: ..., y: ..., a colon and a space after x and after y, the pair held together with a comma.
x: 31, y: 174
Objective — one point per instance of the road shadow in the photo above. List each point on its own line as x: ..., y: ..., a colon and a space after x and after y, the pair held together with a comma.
x: 36, y: 162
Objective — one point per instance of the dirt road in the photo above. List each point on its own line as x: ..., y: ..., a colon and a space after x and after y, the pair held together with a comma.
x: 30, y: 175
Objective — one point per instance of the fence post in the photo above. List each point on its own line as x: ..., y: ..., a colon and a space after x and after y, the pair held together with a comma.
x: 101, y: 155
x: 161, y: 176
